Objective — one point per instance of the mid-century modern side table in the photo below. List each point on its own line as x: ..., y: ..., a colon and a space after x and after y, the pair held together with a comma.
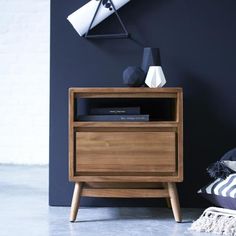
x: 126, y: 159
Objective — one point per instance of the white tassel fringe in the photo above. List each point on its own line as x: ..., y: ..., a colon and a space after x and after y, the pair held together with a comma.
x: 216, y: 220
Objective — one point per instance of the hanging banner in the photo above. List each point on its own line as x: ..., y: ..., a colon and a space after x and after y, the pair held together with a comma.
x: 82, y: 18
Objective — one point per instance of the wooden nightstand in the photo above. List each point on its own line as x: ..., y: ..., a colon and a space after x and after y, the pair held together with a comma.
x: 127, y: 159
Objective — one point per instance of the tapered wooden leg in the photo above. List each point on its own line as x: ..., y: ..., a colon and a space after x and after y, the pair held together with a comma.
x: 165, y: 186
x: 75, y: 201
x: 174, y: 200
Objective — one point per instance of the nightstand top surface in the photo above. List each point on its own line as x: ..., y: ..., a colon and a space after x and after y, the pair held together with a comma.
x: 125, y: 90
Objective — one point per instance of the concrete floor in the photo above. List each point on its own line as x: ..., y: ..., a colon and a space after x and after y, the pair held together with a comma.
x: 24, y: 211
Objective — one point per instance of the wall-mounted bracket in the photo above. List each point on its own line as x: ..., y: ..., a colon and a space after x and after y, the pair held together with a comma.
x: 125, y: 34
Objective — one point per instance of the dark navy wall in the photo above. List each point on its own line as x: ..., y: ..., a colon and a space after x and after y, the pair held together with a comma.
x: 197, y: 42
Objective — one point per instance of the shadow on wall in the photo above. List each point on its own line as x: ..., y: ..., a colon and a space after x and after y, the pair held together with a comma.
x: 205, y: 130
x: 141, y: 35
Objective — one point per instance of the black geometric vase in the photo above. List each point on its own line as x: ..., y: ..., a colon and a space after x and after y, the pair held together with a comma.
x: 151, y: 57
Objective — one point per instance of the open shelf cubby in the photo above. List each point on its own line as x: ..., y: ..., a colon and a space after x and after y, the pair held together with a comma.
x: 158, y: 109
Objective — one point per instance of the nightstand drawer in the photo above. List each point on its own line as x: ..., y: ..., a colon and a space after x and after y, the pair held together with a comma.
x: 125, y: 152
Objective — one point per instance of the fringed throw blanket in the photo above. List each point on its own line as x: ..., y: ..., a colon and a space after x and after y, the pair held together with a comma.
x: 216, y: 220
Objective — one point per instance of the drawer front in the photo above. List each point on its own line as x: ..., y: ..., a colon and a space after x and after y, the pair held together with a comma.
x: 125, y: 152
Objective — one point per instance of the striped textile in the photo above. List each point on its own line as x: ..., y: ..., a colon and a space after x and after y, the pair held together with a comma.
x: 221, y: 187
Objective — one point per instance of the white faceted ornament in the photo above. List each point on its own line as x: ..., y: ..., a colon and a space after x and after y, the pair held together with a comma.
x: 155, y: 77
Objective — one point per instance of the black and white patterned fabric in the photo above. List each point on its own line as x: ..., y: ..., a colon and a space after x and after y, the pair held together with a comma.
x: 221, y: 192
x: 224, y: 167
x: 229, y: 159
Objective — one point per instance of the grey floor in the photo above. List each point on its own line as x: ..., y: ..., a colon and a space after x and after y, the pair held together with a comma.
x: 24, y: 211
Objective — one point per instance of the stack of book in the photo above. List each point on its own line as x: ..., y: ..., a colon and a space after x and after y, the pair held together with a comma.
x: 115, y: 114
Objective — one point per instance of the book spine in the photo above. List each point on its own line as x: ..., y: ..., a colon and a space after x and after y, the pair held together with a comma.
x: 115, y: 111
x: 114, y: 118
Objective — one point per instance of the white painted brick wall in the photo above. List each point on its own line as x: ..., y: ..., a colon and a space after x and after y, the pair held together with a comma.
x: 24, y: 81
